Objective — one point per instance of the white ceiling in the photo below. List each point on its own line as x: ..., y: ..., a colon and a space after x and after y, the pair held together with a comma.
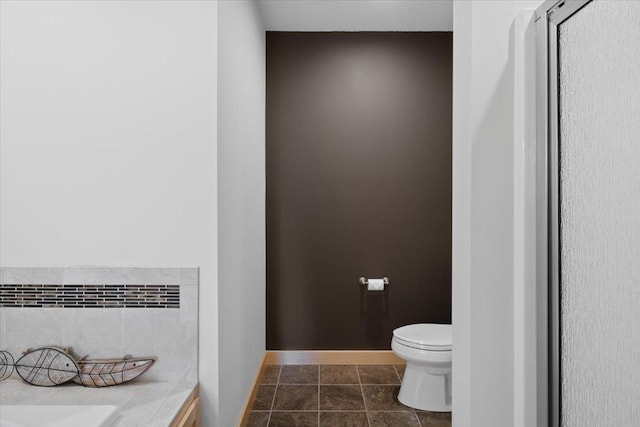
x: 357, y: 15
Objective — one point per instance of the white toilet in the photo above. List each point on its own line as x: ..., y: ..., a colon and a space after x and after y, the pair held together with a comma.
x: 427, y: 378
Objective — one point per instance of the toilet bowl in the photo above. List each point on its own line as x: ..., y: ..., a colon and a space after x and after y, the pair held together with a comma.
x: 426, y: 347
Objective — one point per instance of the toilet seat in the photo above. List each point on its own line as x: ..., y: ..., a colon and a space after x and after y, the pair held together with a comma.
x: 424, y: 336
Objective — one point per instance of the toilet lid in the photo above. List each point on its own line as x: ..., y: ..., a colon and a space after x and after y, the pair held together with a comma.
x: 427, y: 336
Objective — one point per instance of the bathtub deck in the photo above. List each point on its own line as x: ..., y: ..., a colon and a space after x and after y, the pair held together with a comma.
x: 144, y: 402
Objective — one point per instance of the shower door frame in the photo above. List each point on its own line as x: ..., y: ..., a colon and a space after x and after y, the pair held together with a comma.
x: 548, y: 18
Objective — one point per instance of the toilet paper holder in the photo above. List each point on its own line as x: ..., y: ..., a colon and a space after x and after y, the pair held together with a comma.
x: 364, y: 281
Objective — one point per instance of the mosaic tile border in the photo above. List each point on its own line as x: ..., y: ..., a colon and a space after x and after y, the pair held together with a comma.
x: 89, y: 296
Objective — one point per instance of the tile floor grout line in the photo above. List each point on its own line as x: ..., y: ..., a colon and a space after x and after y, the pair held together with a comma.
x: 397, y: 373
x: 318, y: 395
x: 415, y: 414
x: 332, y: 410
x: 347, y: 384
x: 366, y: 411
x: 273, y: 399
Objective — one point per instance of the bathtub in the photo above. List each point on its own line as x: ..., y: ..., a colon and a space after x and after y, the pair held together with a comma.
x: 58, y: 415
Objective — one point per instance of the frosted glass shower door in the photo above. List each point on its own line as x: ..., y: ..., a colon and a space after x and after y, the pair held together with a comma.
x: 599, y: 215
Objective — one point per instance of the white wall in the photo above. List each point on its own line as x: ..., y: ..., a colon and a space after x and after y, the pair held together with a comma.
x: 108, y: 142
x: 483, y: 206
x: 241, y: 202
x: 357, y: 15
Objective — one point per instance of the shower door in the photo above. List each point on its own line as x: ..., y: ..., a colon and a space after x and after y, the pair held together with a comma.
x: 591, y: 201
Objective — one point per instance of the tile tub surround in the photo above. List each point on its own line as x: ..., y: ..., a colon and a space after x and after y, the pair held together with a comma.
x: 133, y: 321
x: 89, y: 296
x: 336, y: 395
x: 140, y: 403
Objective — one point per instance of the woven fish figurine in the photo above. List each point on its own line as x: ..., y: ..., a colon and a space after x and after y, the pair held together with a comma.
x: 50, y: 366
x: 47, y: 366
x: 108, y: 372
x: 6, y: 365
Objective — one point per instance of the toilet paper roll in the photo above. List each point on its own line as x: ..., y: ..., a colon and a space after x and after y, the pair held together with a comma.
x: 376, y: 285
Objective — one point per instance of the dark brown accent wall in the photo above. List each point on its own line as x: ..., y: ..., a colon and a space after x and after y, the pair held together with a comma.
x: 358, y: 184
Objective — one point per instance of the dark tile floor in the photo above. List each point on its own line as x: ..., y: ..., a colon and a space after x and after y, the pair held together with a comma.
x: 336, y: 396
